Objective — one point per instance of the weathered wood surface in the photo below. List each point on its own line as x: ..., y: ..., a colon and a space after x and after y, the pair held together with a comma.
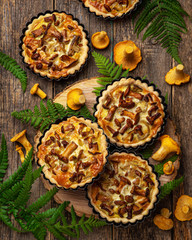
x: 156, y: 62
x: 78, y: 197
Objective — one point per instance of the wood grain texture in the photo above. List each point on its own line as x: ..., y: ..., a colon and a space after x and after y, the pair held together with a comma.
x: 156, y: 62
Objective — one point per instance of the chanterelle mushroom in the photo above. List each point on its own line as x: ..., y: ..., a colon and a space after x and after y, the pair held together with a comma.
x: 36, y: 90
x: 183, y: 211
x: 168, y: 168
x: 168, y: 145
x: 75, y: 99
x: 127, y: 54
x: 177, y: 76
x: 100, y: 40
x: 21, y: 138
x: 163, y: 221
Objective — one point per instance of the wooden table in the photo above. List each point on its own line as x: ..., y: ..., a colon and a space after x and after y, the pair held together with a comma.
x: 155, y: 64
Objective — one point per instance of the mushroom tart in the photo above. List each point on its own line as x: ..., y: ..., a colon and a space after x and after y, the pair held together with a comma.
x: 110, y: 8
x: 55, y: 45
x: 73, y: 152
x: 130, y: 112
x: 126, y: 191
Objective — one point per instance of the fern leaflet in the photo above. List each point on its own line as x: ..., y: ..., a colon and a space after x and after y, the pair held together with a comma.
x: 3, y: 158
x: 11, y: 65
x: 163, y: 21
x: 108, y: 69
x: 170, y: 186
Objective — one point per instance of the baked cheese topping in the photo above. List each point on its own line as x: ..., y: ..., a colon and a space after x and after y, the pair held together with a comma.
x: 55, y: 45
x: 73, y: 152
x: 127, y: 189
x: 110, y: 8
x: 130, y: 113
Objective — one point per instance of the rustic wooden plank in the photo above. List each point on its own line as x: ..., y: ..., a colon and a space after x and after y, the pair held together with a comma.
x: 181, y: 112
x: 14, y: 16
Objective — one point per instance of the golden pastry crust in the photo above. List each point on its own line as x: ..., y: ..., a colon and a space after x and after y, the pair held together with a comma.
x: 126, y: 191
x: 73, y: 152
x: 130, y: 112
x: 110, y: 8
x: 55, y: 45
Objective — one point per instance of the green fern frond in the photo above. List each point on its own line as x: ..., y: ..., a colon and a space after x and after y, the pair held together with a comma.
x: 18, y: 175
x: 42, y: 201
x: 48, y: 113
x: 24, y: 194
x: 159, y: 167
x: 170, y: 186
x: 3, y: 158
x: 40, y: 233
x: 163, y: 21
x: 11, y: 65
x: 108, y: 69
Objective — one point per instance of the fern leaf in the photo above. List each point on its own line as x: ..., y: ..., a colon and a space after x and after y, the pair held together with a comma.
x: 11, y: 65
x: 24, y: 194
x: 60, y: 209
x: 18, y: 175
x: 108, y: 69
x: 170, y: 186
x: 3, y: 158
x: 159, y: 167
x: 42, y: 201
x: 4, y: 218
x: 163, y: 21
x: 56, y: 233
x: 40, y: 233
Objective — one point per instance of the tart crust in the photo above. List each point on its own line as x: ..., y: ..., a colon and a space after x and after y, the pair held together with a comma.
x: 130, y: 112
x: 110, y: 8
x: 55, y: 45
x: 103, y: 188
x: 72, y: 152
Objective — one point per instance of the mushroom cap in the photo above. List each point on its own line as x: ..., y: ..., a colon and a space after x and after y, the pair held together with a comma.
x: 127, y: 54
x: 75, y: 94
x: 177, y: 76
x: 162, y: 222
x: 18, y: 135
x: 100, y: 40
x: 168, y: 168
x: 183, y: 211
x: 170, y: 143
x: 34, y: 89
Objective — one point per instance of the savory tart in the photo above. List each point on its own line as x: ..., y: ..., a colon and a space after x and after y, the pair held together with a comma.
x: 126, y: 191
x: 110, y: 8
x: 55, y: 45
x: 130, y: 112
x: 72, y: 152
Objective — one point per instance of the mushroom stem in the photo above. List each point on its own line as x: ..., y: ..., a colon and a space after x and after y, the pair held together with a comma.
x: 79, y: 99
x: 21, y: 138
x: 19, y: 150
x: 37, y: 90
x: 128, y: 51
x: 41, y: 94
x: 185, y: 209
x: 102, y: 35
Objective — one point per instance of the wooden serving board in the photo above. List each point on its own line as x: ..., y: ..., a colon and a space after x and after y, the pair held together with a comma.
x: 77, y: 197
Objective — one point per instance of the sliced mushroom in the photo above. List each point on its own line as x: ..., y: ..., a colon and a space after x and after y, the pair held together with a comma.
x: 70, y: 149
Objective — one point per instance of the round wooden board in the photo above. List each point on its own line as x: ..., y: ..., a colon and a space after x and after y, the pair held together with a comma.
x: 77, y: 197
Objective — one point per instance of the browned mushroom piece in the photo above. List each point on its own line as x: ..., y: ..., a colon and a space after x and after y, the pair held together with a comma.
x: 111, y: 113
x: 70, y: 149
